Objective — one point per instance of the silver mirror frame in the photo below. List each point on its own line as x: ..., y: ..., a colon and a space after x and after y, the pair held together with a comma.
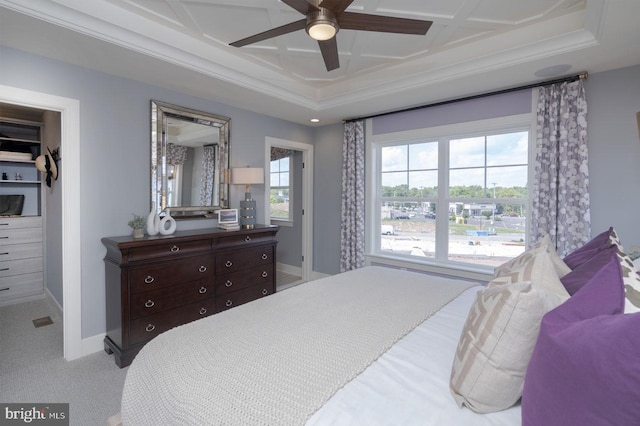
x: 160, y: 112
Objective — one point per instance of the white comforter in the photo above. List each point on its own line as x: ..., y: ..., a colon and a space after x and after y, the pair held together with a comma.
x: 409, y: 384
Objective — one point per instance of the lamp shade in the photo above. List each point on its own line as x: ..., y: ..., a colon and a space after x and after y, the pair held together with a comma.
x: 247, y: 175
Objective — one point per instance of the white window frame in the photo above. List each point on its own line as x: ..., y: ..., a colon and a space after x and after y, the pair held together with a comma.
x: 290, y: 219
x: 374, y: 254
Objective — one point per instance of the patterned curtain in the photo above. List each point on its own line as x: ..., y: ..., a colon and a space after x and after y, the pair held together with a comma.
x: 279, y: 153
x: 561, y: 188
x: 206, y: 179
x: 353, y: 189
x: 176, y: 154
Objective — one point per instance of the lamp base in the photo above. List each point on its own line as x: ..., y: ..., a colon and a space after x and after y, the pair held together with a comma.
x: 248, y: 212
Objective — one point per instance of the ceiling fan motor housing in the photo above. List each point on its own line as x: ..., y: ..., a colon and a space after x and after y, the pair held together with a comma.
x: 322, y: 24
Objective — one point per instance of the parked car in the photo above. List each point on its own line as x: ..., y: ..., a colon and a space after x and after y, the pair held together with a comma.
x: 387, y: 230
x: 429, y: 215
x: 400, y: 216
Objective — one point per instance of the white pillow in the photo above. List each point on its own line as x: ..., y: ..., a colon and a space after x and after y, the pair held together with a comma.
x: 544, y: 244
x: 500, y: 333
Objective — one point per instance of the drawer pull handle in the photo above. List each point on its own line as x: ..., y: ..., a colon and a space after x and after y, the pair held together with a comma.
x: 4, y: 238
x: 264, y: 256
x: 203, y: 311
x: 149, y: 279
x: 228, y: 264
x: 4, y: 269
x: 265, y: 274
x: 202, y: 290
x: 229, y: 303
x: 247, y: 238
x: 265, y: 291
x: 202, y: 269
x: 4, y: 224
x: 149, y: 304
x: 228, y: 283
x: 175, y: 249
x: 4, y: 253
x: 150, y: 328
x: 4, y: 289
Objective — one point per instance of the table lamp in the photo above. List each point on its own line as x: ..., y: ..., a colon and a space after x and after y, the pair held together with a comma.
x: 247, y: 176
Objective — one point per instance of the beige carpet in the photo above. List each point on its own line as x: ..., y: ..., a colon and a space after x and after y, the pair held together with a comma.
x: 32, y: 368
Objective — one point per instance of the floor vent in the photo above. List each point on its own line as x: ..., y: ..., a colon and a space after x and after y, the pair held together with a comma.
x: 41, y: 322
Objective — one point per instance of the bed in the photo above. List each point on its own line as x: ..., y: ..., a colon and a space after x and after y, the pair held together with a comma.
x: 381, y: 346
x: 402, y: 377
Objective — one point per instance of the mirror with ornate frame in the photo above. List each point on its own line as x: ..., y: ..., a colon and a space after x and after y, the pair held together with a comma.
x: 189, y: 161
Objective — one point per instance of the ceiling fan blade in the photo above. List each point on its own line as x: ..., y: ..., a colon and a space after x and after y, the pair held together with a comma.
x: 329, y: 49
x: 336, y: 6
x: 387, y: 24
x: 301, y: 6
x: 274, y: 32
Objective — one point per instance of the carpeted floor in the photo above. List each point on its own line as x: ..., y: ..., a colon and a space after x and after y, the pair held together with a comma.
x: 32, y: 368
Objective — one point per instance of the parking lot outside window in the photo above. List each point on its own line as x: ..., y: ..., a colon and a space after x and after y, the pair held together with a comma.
x: 454, y: 199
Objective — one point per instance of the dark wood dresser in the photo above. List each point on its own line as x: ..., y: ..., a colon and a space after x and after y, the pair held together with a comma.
x: 157, y: 283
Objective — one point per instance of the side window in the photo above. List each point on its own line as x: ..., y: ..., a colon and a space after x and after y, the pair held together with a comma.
x: 280, y: 189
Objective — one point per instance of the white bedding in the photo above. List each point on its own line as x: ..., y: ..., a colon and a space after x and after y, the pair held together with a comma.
x: 409, y: 384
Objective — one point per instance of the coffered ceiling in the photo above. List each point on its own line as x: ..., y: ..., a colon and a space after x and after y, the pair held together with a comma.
x: 472, y: 47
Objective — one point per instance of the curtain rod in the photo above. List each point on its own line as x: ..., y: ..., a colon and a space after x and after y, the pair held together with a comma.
x: 581, y: 76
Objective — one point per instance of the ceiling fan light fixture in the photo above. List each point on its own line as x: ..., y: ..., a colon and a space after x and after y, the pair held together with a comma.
x: 322, y: 25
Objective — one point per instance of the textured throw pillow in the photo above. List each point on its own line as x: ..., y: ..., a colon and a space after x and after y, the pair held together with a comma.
x: 599, y: 242
x: 585, y: 369
x: 540, y: 267
x: 499, y: 336
x: 630, y: 280
x: 544, y: 244
x: 583, y: 273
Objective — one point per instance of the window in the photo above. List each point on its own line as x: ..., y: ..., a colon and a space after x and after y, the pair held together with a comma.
x: 451, y: 200
x: 280, y: 205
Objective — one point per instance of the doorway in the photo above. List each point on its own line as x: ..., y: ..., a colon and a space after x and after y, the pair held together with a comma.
x: 69, y: 185
x: 295, y: 245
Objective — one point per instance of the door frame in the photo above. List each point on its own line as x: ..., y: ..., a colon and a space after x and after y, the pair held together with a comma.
x: 69, y: 184
x: 307, y: 196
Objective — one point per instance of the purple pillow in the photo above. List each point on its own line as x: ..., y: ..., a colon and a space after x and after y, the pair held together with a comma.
x: 583, y: 273
x: 584, y: 253
x: 585, y: 368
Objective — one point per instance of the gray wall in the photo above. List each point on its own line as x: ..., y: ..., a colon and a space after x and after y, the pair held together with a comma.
x: 613, y: 99
x: 114, y: 154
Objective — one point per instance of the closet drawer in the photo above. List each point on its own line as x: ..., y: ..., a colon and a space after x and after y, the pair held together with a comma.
x: 168, y: 249
x: 241, y: 240
x: 20, y: 251
x: 20, y: 222
x: 20, y: 235
x: 21, y: 286
x: 20, y: 266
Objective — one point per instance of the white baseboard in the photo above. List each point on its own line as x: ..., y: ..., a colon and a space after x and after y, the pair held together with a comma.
x: 289, y: 269
x: 93, y: 344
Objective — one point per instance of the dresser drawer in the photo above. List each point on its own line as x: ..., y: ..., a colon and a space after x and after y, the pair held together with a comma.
x: 20, y: 235
x: 236, y: 298
x: 165, y: 274
x: 262, y: 275
x: 20, y: 251
x: 20, y: 266
x: 149, y: 303
x: 240, y: 240
x: 21, y: 286
x: 146, y: 328
x: 240, y: 259
x: 20, y: 222
x: 168, y: 249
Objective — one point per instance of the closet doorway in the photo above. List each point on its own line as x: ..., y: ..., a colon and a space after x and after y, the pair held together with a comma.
x: 289, y: 204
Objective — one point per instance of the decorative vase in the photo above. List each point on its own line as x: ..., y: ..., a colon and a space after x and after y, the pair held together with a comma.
x: 138, y: 233
x: 153, y: 221
x: 167, y: 224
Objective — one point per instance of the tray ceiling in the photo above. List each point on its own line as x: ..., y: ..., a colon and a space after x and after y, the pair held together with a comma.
x: 473, y: 46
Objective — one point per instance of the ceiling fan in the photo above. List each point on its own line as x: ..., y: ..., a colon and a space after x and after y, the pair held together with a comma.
x: 324, y: 18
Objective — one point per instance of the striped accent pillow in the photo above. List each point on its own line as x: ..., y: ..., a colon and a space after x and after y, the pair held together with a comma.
x: 544, y: 244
